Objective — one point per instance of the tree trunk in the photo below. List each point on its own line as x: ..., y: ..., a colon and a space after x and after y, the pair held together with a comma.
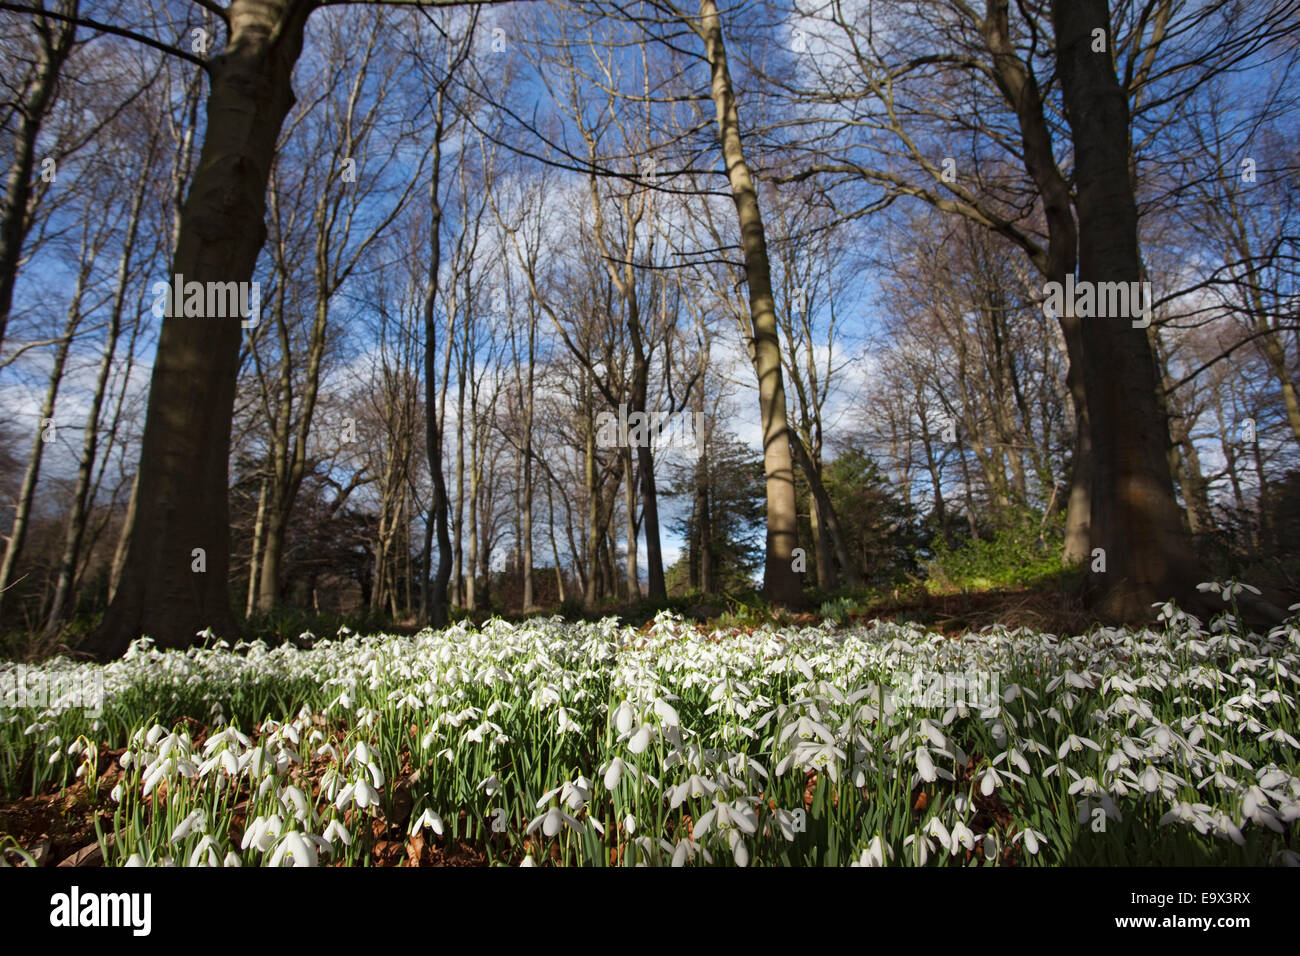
x: 708, y: 585
x: 56, y: 38
x: 182, y: 500
x: 591, y: 592
x: 42, y: 437
x: 629, y: 501
x: 475, y: 475
x: 82, y: 495
x: 821, y: 546
x: 458, y: 524
x: 124, y: 539
x: 555, y: 551
x: 1184, y: 459
x: 781, y: 584
x: 1134, y: 515
x: 258, y: 528
x: 693, y: 539
x: 527, y: 452
x: 434, y: 594
x: 268, y: 571
x: 657, y: 588
x: 1021, y: 90
x: 826, y: 509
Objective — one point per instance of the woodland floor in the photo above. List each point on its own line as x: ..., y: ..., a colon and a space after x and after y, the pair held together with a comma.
x: 59, y: 826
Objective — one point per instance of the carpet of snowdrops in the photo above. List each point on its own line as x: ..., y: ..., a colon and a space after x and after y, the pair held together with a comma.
x: 548, y: 742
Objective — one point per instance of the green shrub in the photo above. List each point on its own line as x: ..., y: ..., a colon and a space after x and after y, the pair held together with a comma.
x: 1011, y: 557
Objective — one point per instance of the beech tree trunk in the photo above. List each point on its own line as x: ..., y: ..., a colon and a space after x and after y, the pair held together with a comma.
x: 182, y: 509
x: 1134, y: 516
x: 781, y: 584
x: 459, y: 587
x: 1020, y: 87
x: 434, y: 593
x: 591, y: 589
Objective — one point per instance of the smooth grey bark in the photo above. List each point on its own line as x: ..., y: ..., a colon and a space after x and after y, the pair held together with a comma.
x: 182, y: 499
x: 781, y: 584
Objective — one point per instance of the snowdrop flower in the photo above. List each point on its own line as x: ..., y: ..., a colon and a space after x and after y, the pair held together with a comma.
x: 936, y: 829
x: 552, y: 821
x: 1117, y: 761
x: 205, y: 854
x: 575, y: 794
x: 296, y: 847
x: 875, y: 853
x: 1075, y: 743
x: 614, y: 772
x: 686, y: 850
x: 1014, y: 756
x: 364, y: 794
x: 694, y: 787
x: 666, y: 713
x: 641, y: 739
x: 477, y: 734
x: 1032, y: 839
x: 196, y: 820
x: 989, y: 847
x: 807, y: 729
x: 785, y: 821
x: 739, y: 815
x: 329, y: 750
x: 1272, y: 777
x: 1198, y: 815
x: 261, y: 833
x: 624, y: 717
x: 925, y: 765
x: 1223, y: 826
x: 962, y: 836
x: 1278, y: 736
x: 739, y: 852
x: 1256, y: 808
x: 990, y: 780
x: 295, y: 799
x: 336, y: 831
x: 159, y: 771
x: 921, y: 848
